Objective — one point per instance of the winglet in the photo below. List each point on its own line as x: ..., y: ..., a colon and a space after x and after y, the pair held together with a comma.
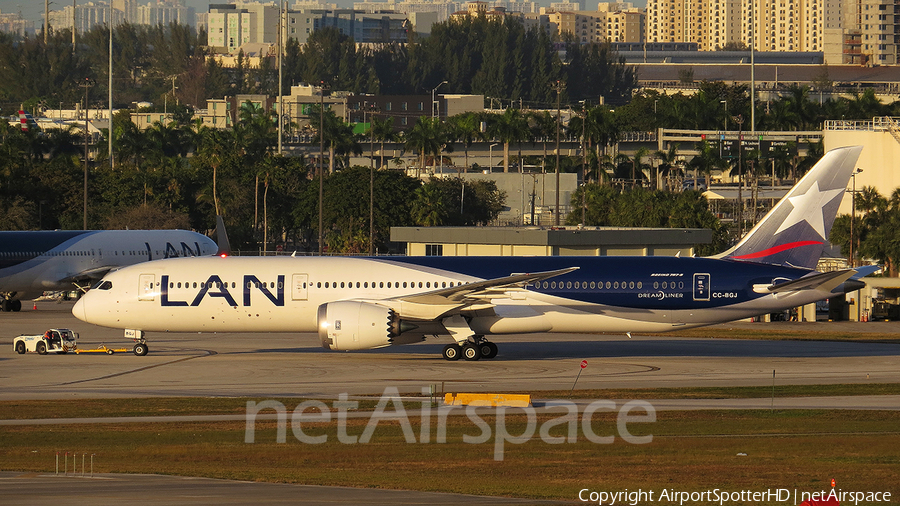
x: 796, y: 229
x: 222, y: 238
x: 865, y: 270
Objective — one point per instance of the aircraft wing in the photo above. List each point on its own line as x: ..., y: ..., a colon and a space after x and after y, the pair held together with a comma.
x: 825, y: 281
x: 438, y: 303
x: 88, y: 275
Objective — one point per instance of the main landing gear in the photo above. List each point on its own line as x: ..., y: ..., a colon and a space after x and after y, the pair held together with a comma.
x: 468, y: 344
x: 10, y: 304
x: 480, y: 348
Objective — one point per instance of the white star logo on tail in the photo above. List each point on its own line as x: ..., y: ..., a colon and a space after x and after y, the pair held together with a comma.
x: 809, y: 208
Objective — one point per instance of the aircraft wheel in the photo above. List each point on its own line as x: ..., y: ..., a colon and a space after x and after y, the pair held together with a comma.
x: 488, y: 350
x: 471, y: 352
x: 451, y: 352
x: 140, y: 349
x: 20, y: 348
x: 110, y: 352
x: 16, y: 305
x: 4, y: 305
x: 41, y: 348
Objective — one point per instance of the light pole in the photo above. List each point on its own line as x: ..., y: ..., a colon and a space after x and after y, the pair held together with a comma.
x: 491, y: 153
x: 321, y: 159
x: 371, y: 178
x: 432, y: 100
x: 853, y: 216
x: 726, y: 113
x: 739, y: 119
x: 87, y: 86
x: 558, y: 87
x: 280, y: 77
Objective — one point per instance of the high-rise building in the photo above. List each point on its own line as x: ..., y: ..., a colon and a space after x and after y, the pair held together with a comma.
x: 84, y: 17
x: 846, y: 31
x: 13, y: 23
x: 164, y: 12
x: 232, y: 25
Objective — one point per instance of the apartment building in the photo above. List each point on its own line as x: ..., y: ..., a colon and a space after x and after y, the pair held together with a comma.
x: 858, y: 32
x: 13, y: 23
x: 233, y: 25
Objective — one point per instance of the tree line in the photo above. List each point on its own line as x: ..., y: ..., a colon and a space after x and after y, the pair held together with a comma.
x: 182, y: 174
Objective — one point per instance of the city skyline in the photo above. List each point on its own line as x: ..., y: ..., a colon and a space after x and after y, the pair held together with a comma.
x: 33, y: 10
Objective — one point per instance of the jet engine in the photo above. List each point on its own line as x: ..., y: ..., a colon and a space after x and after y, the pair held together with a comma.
x: 354, y: 325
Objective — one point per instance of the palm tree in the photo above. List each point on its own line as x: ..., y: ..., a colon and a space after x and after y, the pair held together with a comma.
x: 383, y: 130
x: 465, y: 128
x: 706, y: 161
x: 426, y: 137
x: 508, y: 127
x: 428, y: 209
x: 543, y: 126
x: 668, y: 162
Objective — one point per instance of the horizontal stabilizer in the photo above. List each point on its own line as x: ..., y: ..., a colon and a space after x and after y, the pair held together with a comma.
x: 825, y: 281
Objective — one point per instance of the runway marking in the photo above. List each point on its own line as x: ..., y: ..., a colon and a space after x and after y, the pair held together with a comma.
x: 208, y: 353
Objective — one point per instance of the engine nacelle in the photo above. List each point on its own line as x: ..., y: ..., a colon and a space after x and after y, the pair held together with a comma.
x: 354, y: 325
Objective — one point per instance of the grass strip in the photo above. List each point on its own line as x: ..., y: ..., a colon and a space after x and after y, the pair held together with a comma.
x: 690, y: 451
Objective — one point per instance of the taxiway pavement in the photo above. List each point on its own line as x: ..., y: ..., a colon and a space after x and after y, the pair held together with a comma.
x: 293, y: 365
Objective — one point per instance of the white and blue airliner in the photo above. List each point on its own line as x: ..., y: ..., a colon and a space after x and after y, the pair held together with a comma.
x: 363, y: 303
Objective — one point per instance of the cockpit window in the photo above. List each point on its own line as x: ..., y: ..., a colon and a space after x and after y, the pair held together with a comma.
x: 103, y: 285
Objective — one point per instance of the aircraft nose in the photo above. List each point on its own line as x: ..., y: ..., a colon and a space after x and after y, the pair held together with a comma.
x: 79, y: 309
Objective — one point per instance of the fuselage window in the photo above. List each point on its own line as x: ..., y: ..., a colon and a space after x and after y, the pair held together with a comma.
x: 631, y: 285
x: 640, y: 285
x: 357, y: 284
x: 179, y: 284
x: 665, y: 285
x: 428, y: 284
x: 593, y: 285
x: 553, y: 284
x: 608, y: 285
x: 195, y: 284
x: 420, y: 284
x: 381, y: 284
x: 171, y: 284
x: 404, y: 284
x: 655, y: 285
x: 680, y: 285
x: 366, y: 284
x: 616, y: 285
x: 318, y: 284
x: 342, y: 284
x: 326, y: 284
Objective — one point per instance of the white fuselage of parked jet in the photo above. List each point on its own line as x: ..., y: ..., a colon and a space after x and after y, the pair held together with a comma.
x: 34, y: 262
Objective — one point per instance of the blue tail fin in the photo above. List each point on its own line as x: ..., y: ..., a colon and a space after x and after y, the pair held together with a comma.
x: 794, y: 232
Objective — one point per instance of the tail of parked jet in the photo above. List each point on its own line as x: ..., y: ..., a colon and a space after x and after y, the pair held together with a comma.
x: 794, y: 232
x: 26, y: 121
